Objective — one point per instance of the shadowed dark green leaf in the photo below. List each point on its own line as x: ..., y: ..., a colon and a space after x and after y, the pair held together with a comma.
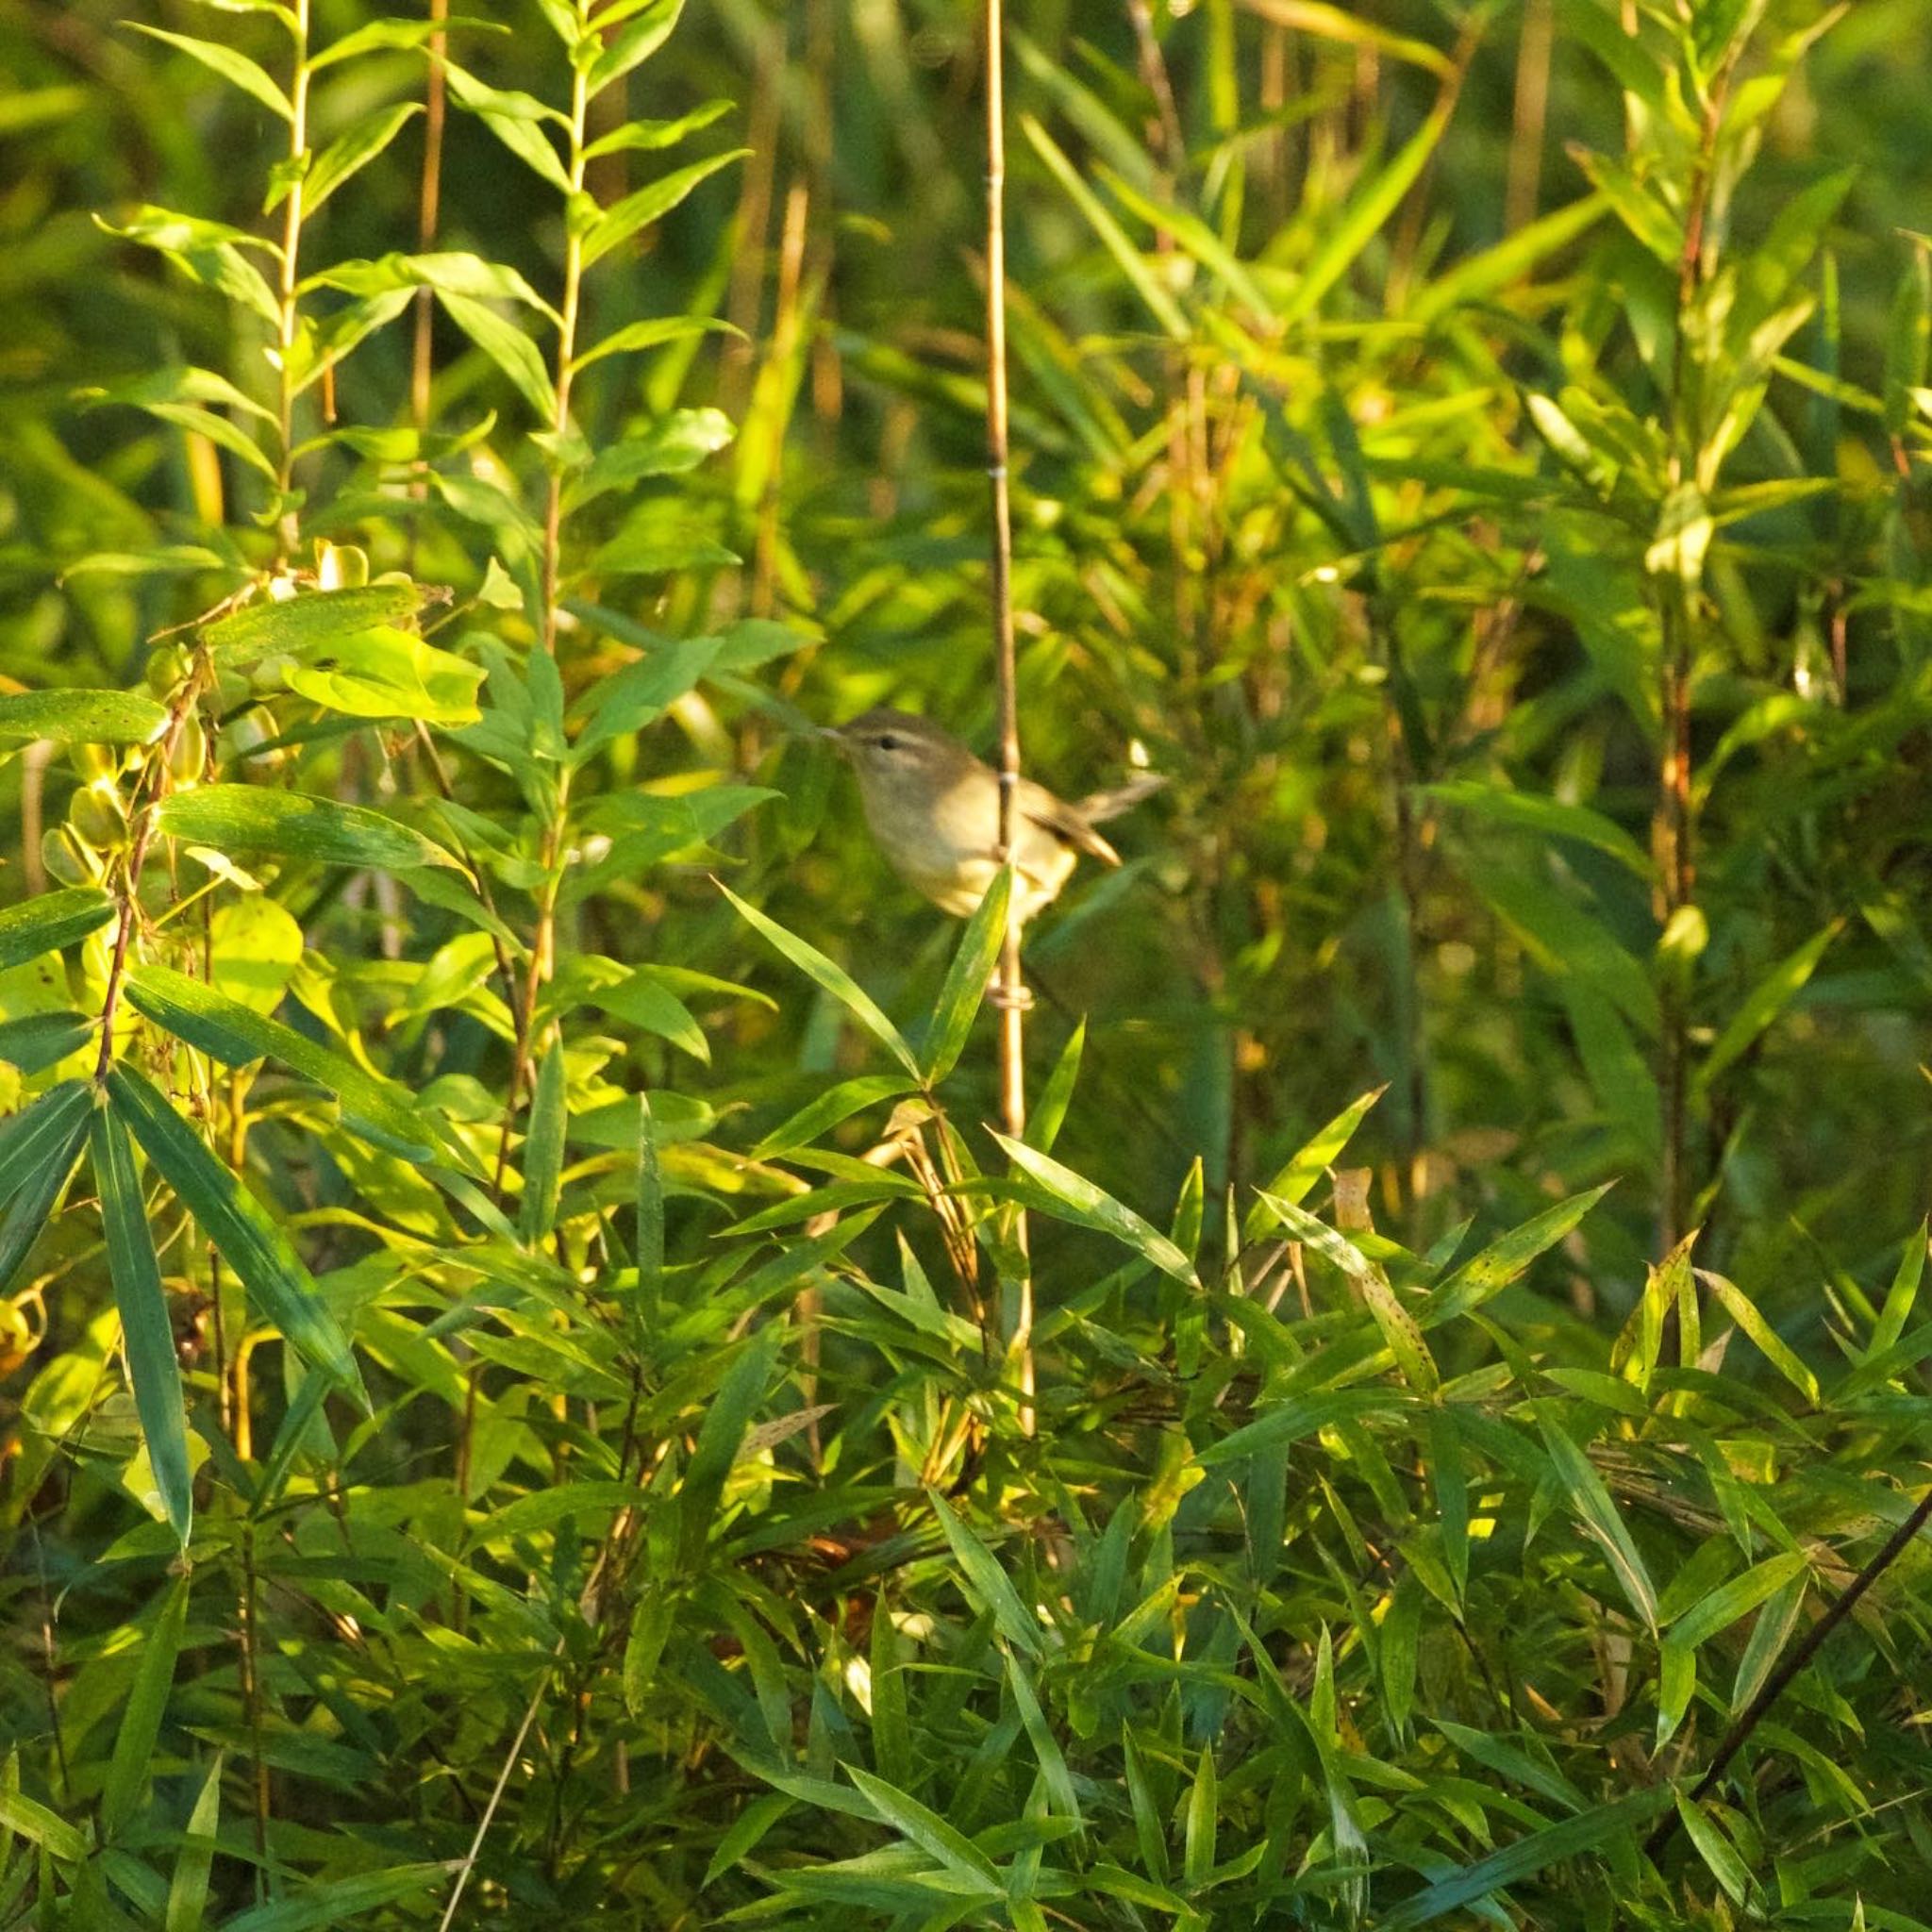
x: 50, y: 921
x: 146, y: 1331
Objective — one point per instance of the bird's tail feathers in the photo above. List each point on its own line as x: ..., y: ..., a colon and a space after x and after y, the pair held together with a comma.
x: 1102, y: 805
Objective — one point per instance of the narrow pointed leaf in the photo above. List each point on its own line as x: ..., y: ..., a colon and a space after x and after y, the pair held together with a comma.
x: 38, y: 1155
x: 251, y: 1243
x: 50, y: 921
x: 987, y: 1581
x: 967, y: 978
x: 834, y: 979
x: 146, y: 1332
x: 1076, y: 1199
x: 1586, y: 1496
x: 83, y: 717
x: 238, y: 1036
x: 543, y: 1150
x: 235, y: 68
x: 241, y: 819
x: 131, y: 1768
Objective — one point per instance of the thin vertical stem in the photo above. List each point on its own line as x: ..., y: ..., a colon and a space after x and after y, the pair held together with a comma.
x: 1523, y: 177
x: 290, y: 315
x: 543, y: 940
x: 1013, y: 990
x: 429, y: 216
x: 566, y: 355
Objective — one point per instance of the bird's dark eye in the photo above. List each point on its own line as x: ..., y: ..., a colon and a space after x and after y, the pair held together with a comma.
x: 886, y: 741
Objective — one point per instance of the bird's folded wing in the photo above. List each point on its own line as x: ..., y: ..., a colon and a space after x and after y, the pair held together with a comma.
x: 1066, y: 823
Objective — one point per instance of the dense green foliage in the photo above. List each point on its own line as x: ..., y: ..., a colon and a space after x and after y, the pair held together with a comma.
x: 512, y: 1400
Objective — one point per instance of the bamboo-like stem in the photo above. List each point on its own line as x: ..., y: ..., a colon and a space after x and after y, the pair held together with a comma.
x: 290, y: 313
x: 428, y: 217
x: 1524, y: 179
x: 1012, y: 991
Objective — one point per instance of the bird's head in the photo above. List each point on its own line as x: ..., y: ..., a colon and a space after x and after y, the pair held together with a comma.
x: 895, y: 755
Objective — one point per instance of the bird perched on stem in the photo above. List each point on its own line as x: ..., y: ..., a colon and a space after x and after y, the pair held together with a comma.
x: 935, y: 811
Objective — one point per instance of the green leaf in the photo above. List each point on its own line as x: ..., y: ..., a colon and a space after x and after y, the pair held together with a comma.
x: 1414, y: 1362
x: 241, y: 819
x: 517, y: 120
x: 355, y: 149
x: 254, y: 945
x: 387, y: 673
x: 147, y: 1333
x: 1720, y: 1856
x: 657, y: 134
x: 324, y: 1905
x: 1721, y: 1608
x: 233, y: 1034
x: 834, y: 979
x: 36, y: 1041
x: 83, y: 717
x: 244, y: 1235
x: 668, y: 447
x: 194, y: 1862
x: 543, y: 1150
x: 1762, y: 1005
x: 1192, y: 234
x: 633, y: 44
x: 300, y: 623
x: 620, y: 221
x: 1128, y: 258
x: 53, y: 920
x: 1534, y: 811
x: 834, y: 1104
x: 653, y: 333
x: 1506, y: 1258
x: 967, y: 979
x: 507, y: 346
x: 37, y: 1151
x: 1901, y: 1295
x: 1586, y: 1496
x: 986, y: 1583
x: 926, y: 1829
x: 384, y: 36
x: 235, y: 68
x: 638, y: 695
x: 1076, y: 1199
x: 1770, y: 1343
x: 1198, y: 1828
x: 1344, y: 238
x: 209, y: 253
x: 651, y: 1623
x: 1050, y: 1112
x: 131, y: 1768
x: 646, y: 1003
x: 1525, y: 1860
x: 719, y: 1435
x: 41, y: 1828
x: 1310, y: 1162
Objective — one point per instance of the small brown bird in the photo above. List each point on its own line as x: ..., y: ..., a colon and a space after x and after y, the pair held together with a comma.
x: 935, y: 811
